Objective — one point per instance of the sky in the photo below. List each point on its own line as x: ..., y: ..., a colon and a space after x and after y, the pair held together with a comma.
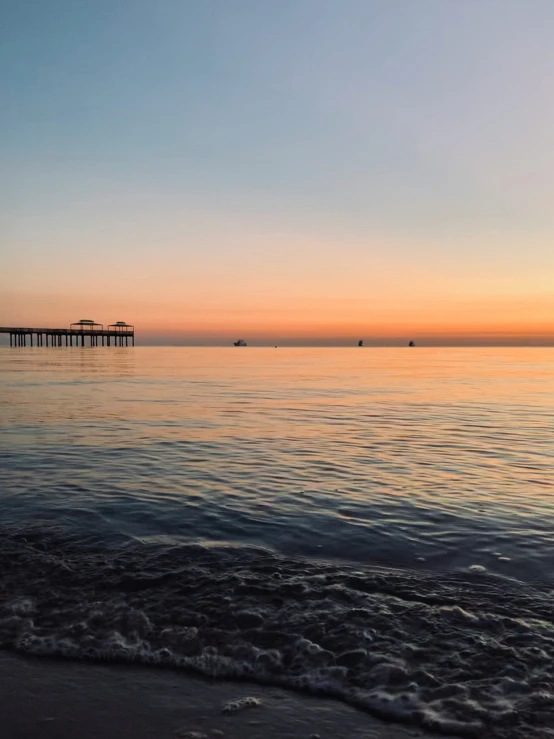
x: 283, y: 171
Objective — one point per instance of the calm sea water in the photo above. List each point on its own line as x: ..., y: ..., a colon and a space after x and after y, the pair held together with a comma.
x: 436, y: 457
x: 313, y: 517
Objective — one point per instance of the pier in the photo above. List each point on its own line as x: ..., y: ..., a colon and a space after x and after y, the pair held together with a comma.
x: 81, y: 333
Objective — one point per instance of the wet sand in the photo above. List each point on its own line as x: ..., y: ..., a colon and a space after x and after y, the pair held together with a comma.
x: 48, y: 699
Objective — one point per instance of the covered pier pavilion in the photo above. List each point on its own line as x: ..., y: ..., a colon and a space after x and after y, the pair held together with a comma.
x: 81, y: 333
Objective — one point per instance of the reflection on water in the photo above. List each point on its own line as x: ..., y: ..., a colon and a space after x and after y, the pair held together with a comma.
x: 429, y: 458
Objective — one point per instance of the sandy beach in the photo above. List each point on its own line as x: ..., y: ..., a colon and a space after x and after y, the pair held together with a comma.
x: 50, y: 699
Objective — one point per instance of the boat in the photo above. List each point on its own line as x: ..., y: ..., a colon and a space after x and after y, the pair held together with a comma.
x: 360, y: 342
x: 411, y: 343
x: 240, y: 342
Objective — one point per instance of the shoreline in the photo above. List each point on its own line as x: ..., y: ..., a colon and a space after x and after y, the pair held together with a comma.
x: 63, y: 699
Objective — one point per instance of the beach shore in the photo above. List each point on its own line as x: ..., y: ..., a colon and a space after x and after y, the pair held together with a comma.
x: 50, y: 699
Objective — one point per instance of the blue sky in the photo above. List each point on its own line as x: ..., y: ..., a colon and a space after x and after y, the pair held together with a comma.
x: 302, y: 148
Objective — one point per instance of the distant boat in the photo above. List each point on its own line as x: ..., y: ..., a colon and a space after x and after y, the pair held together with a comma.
x: 240, y: 342
x: 411, y: 343
x: 360, y: 342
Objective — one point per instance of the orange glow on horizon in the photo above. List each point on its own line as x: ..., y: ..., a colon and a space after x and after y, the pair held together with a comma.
x: 265, y: 311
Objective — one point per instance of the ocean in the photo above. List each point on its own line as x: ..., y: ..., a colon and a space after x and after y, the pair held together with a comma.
x: 370, y: 524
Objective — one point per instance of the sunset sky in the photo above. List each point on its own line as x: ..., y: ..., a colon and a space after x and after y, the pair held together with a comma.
x: 292, y: 171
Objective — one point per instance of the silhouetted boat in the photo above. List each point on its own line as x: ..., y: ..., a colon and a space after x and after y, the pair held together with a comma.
x: 360, y: 342
x: 411, y: 343
x: 240, y: 342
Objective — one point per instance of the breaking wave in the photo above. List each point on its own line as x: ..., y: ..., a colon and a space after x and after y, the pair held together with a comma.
x: 468, y: 654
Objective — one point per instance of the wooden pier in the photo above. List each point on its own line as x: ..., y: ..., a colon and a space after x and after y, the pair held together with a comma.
x: 82, y: 333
